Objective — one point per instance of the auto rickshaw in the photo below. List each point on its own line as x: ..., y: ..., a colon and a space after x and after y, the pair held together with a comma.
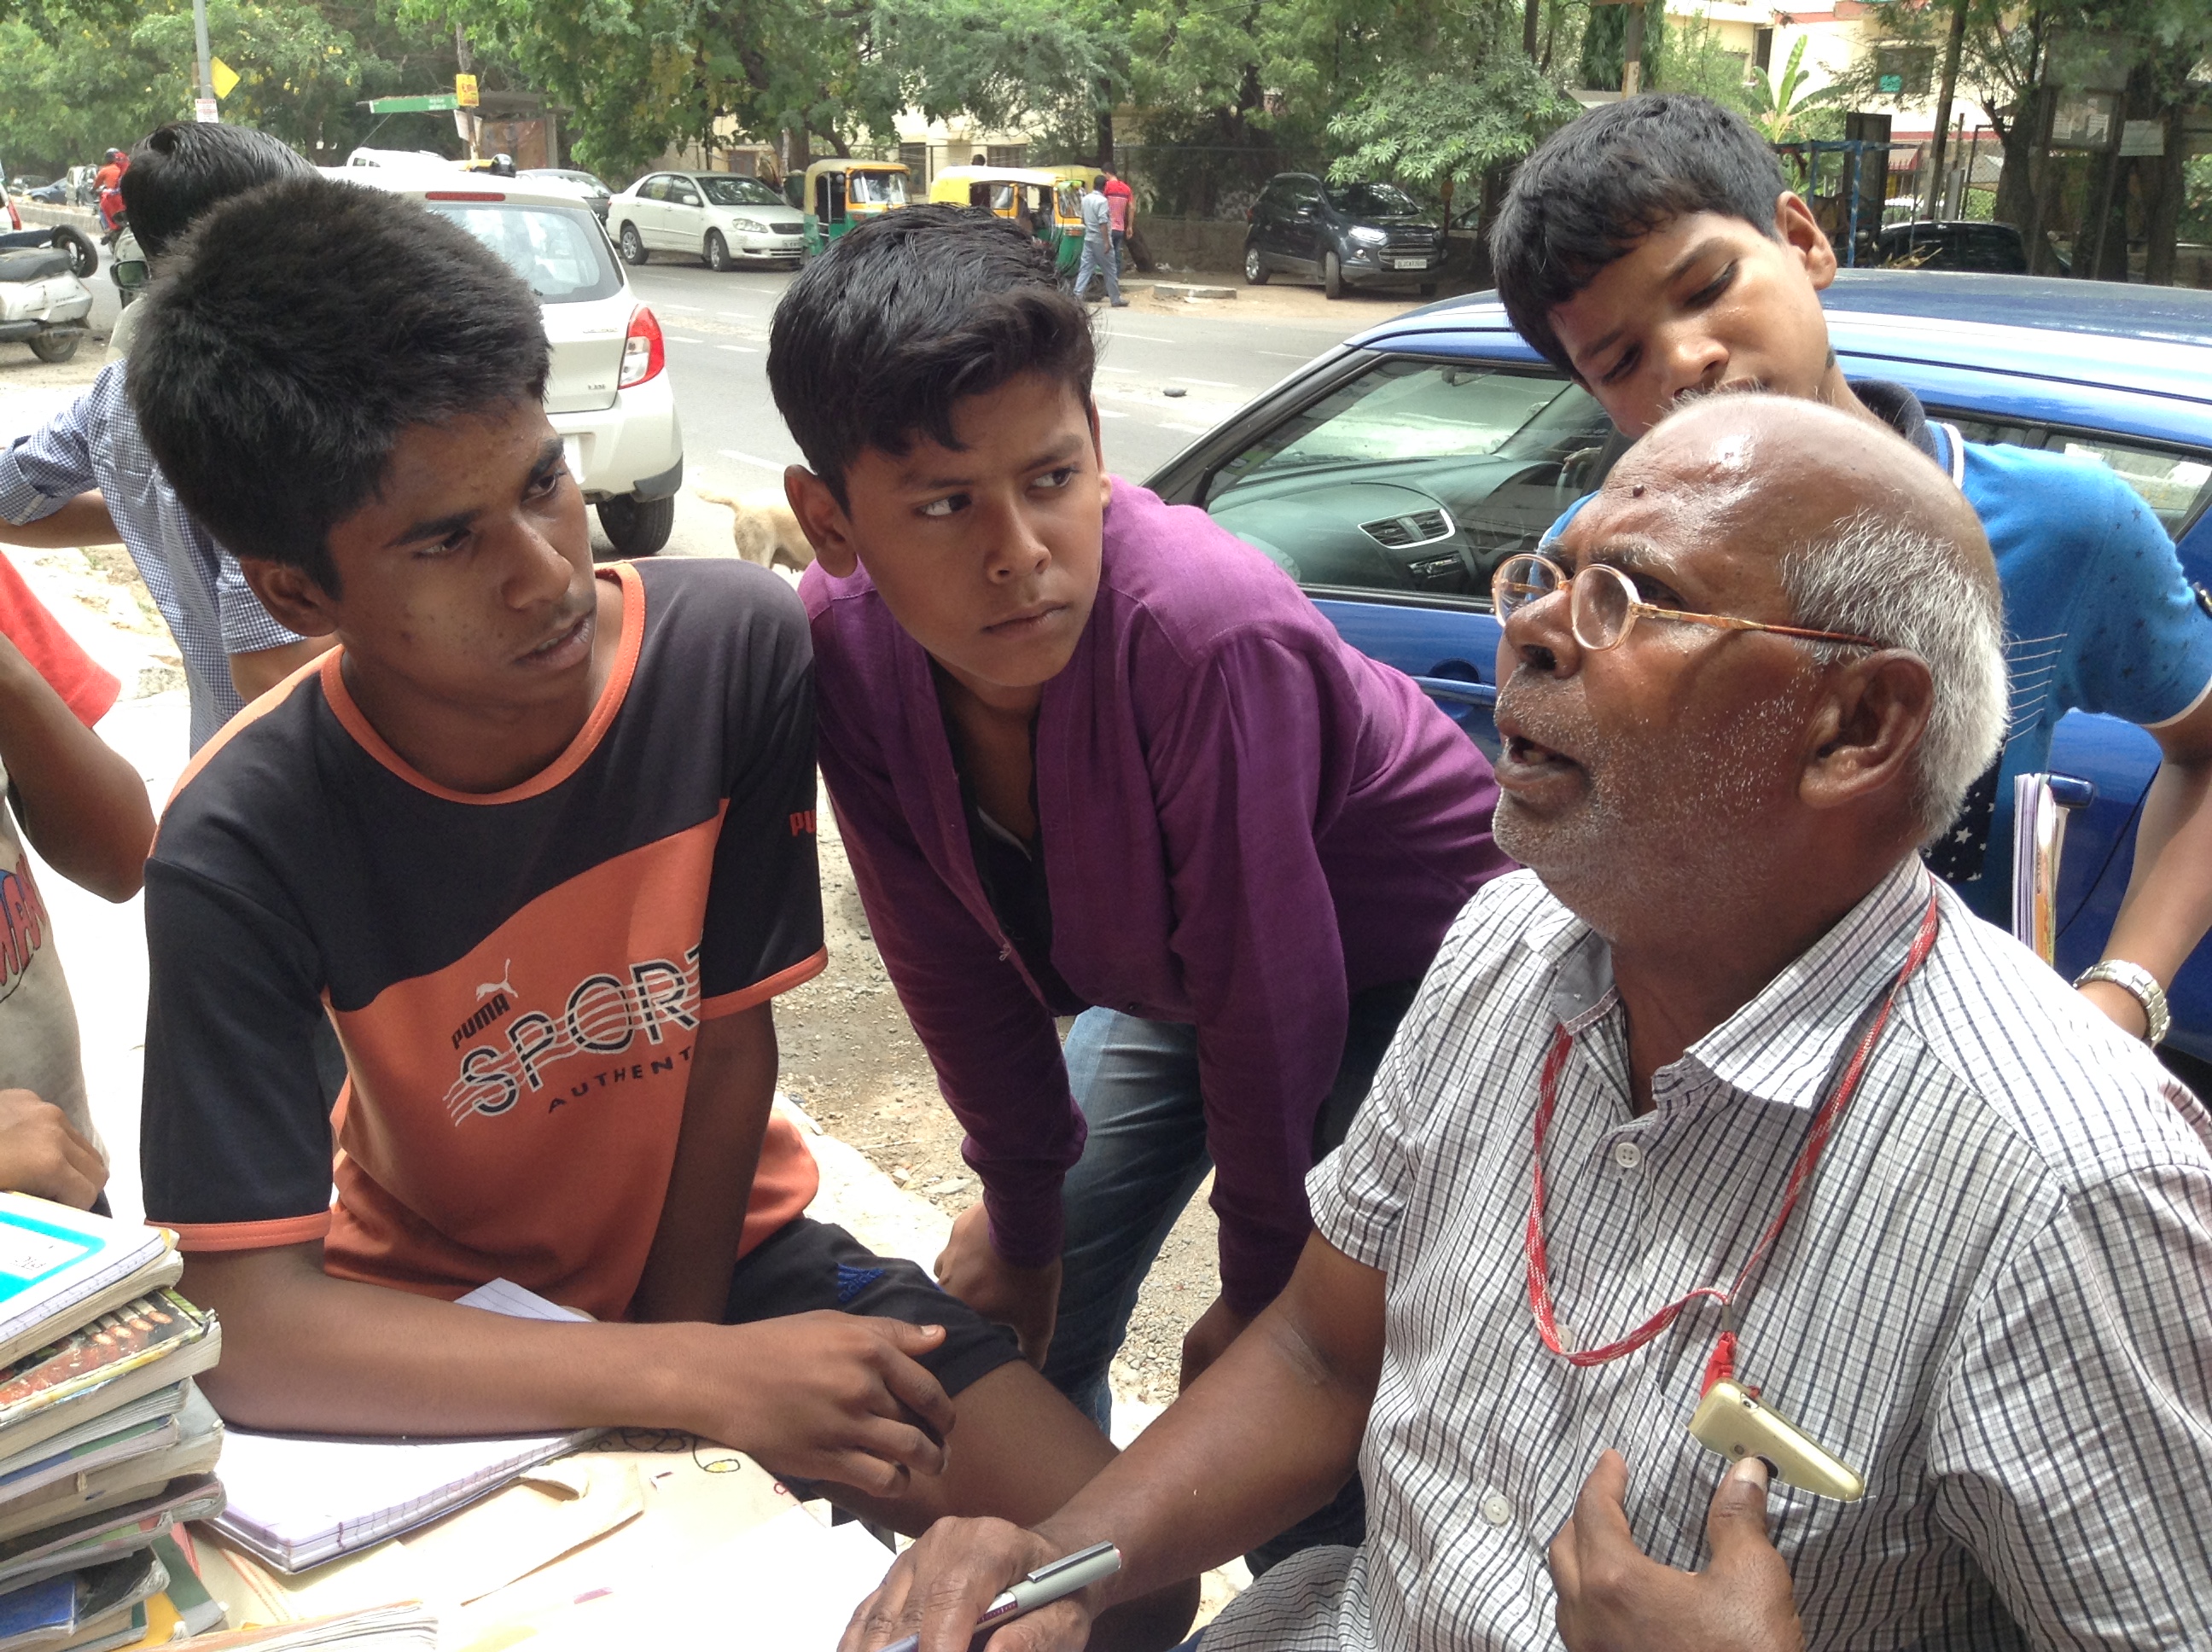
x: 1047, y: 205
x: 840, y: 190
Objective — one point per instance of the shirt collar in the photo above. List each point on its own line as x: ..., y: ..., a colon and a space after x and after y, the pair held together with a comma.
x: 1785, y: 1044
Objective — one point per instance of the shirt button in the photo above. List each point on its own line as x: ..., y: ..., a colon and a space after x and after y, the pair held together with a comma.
x: 1496, y: 1509
x: 1627, y: 1155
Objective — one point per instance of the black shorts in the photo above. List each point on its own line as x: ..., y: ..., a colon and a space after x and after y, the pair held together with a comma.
x: 805, y: 1266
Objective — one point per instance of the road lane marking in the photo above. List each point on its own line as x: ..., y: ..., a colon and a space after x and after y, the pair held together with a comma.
x: 1285, y: 355
x: 753, y: 460
x: 738, y: 349
x: 1149, y: 337
x: 1210, y: 383
x: 679, y: 338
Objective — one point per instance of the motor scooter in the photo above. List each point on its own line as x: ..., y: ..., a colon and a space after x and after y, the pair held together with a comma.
x: 42, y: 302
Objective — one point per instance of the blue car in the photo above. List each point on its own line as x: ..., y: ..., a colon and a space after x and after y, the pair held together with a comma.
x: 1393, y: 474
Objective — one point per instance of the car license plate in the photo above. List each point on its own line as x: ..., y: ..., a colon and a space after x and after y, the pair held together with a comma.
x: 1409, y: 264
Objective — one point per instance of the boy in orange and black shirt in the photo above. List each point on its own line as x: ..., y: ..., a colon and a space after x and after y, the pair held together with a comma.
x: 539, y: 842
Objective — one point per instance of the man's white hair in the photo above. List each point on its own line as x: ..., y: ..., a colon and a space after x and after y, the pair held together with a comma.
x: 1909, y: 589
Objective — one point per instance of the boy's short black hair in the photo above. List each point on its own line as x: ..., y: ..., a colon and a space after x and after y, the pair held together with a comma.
x: 1603, y: 182
x: 303, y: 328
x: 907, y: 315
x: 181, y: 170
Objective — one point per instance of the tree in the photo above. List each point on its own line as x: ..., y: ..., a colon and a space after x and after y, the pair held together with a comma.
x: 1431, y: 128
x: 1782, y: 109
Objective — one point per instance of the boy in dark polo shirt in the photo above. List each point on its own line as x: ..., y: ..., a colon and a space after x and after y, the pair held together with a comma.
x: 540, y: 841
x: 1650, y: 251
x: 1092, y: 755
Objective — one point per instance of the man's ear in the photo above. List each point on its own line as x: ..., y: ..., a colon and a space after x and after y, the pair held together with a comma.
x: 291, y: 596
x: 1796, y: 229
x: 1867, y: 728
x: 823, y: 521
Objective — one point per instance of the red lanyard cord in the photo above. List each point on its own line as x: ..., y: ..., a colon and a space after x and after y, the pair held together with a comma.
x: 1825, y: 1120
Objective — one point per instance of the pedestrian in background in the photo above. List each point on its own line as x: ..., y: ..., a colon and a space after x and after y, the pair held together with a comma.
x: 1099, y: 252
x: 1121, y: 203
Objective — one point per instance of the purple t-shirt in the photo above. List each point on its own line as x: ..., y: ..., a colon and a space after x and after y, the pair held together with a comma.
x: 1245, y: 820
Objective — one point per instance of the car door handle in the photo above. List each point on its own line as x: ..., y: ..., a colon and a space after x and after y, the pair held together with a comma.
x: 1454, y: 689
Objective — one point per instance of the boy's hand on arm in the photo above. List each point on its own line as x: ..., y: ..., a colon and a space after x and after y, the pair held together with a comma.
x: 726, y: 1105
x: 1208, y: 1340
x: 41, y: 1154
x: 827, y: 1395
x: 2168, y: 905
x: 1614, y: 1598
x: 1025, y: 1298
x: 83, y: 520
x: 84, y: 807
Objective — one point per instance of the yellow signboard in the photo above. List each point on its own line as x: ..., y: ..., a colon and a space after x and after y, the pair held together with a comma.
x: 465, y: 90
x: 224, y: 76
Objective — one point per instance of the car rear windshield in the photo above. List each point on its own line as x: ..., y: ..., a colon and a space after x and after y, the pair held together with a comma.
x: 739, y: 192
x: 876, y: 188
x: 561, y: 251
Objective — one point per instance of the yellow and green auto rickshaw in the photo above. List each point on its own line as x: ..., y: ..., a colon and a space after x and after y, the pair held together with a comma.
x: 839, y: 191
x: 1049, y: 207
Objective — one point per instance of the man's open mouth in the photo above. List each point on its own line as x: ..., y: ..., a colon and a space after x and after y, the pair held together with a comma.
x: 566, y: 634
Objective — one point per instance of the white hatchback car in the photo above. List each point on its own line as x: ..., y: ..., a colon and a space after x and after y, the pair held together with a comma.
x: 717, y: 217
x: 608, y: 394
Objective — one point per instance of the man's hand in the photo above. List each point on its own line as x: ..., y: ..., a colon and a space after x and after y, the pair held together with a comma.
x: 1026, y: 1298
x: 1612, y: 1598
x: 826, y: 1396
x: 41, y: 1154
x: 939, y: 1587
x: 1208, y: 1340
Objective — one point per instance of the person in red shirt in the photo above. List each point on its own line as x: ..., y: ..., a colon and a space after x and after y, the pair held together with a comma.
x: 1120, y: 205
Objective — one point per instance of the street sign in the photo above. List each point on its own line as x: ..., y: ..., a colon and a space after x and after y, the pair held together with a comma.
x: 206, y: 109
x: 224, y: 76
x: 435, y: 103
x: 465, y: 91
x: 1890, y: 85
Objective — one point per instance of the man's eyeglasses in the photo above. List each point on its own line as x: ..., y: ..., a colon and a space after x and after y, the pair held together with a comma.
x: 1603, y: 606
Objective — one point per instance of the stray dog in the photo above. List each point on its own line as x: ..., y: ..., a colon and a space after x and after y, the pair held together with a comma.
x: 763, y: 528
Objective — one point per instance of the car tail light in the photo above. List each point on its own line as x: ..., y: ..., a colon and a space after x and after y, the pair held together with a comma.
x: 643, y: 353
x: 1248, y: 214
x: 15, y: 218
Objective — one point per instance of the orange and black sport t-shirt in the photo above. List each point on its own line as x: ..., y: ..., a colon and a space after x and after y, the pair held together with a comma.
x: 516, y: 978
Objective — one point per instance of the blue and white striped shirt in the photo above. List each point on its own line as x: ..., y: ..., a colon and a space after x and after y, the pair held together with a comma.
x: 194, y: 581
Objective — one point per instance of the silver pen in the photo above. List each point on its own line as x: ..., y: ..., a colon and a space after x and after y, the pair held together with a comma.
x: 1054, y: 1581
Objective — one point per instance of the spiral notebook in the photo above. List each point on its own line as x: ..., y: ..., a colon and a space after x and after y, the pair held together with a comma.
x: 298, y: 1501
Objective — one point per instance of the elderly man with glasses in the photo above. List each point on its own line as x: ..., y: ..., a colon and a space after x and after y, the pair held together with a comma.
x: 1723, y: 1134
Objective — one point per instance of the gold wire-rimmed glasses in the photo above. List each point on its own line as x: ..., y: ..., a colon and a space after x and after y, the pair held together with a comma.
x: 1603, y: 606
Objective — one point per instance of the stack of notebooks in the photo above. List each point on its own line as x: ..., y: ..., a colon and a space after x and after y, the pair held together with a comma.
x: 105, y: 1442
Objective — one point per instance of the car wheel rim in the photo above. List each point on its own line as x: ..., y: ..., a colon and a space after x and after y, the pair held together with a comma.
x: 1252, y: 264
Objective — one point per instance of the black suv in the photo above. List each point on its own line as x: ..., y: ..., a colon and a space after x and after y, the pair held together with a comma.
x: 1352, y: 235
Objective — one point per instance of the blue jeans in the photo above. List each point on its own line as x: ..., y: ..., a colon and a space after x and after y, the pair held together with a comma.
x: 1099, y: 256
x: 1137, y: 1083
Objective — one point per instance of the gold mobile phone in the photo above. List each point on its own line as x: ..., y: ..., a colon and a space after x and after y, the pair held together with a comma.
x: 1729, y: 1421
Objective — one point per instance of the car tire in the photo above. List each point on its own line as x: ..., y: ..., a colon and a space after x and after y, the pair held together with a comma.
x: 1428, y: 289
x: 1255, y: 267
x: 635, y: 526
x: 84, y: 256
x: 1332, y: 275
x: 53, y: 346
x: 718, y: 253
x: 632, y: 246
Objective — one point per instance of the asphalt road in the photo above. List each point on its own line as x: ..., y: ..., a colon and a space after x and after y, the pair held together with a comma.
x: 734, y: 442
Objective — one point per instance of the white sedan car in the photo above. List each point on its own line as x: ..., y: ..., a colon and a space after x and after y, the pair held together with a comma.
x: 720, y: 218
x: 608, y: 393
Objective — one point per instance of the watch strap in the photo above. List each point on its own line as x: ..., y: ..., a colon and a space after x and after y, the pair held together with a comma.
x: 2139, y: 984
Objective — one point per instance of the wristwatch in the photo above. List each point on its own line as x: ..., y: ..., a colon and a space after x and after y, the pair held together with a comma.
x: 2141, y: 985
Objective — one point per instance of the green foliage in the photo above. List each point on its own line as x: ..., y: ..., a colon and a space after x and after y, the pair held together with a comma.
x: 1692, y: 59
x: 75, y: 81
x: 1428, y: 128
x: 1783, y: 110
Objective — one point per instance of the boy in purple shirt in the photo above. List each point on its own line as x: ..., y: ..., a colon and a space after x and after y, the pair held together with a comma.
x: 1092, y: 755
